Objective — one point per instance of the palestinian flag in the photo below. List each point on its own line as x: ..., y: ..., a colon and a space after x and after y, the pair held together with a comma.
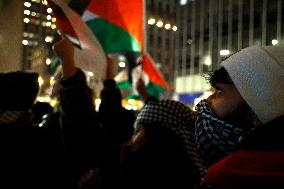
x: 154, y: 81
x: 118, y: 24
x: 88, y: 53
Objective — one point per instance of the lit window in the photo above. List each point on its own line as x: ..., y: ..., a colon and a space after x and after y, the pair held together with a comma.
x: 35, y: 43
x: 49, y: 10
x: 48, y: 24
x: 25, y: 34
x: 274, y: 42
x: 25, y: 42
x: 168, y: 26
x: 224, y: 52
x: 31, y: 35
x: 27, y: 12
x: 160, y: 24
x: 174, y: 28
x: 44, y: 2
x: 27, y: 4
x: 151, y: 21
x: 48, y: 39
x: 26, y: 20
x: 183, y: 2
x: 207, y: 61
x: 48, y: 61
x: 53, y: 26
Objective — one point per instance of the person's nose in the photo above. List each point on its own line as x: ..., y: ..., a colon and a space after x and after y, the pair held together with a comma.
x: 210, y: 98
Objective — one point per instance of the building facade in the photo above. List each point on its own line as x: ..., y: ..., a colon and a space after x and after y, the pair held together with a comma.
x: 211, y: 30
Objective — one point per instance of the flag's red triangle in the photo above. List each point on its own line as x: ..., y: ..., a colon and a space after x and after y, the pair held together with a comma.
x: 154, y: 75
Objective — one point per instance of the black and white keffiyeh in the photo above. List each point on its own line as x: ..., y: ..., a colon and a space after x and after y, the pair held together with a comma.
x: 178, y: 118
x: 214, y: 137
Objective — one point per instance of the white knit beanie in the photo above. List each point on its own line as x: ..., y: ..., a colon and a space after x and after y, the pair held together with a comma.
x: 258, y: 74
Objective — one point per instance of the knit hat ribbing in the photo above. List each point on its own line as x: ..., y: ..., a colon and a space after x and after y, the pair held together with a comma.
x: 258, y: 74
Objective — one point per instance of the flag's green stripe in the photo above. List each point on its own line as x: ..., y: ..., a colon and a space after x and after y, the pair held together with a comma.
x: 54, y: 66
x: 154, y: 89
x: 113, y: 38
x: 133, y: 96
x: 124, y: 85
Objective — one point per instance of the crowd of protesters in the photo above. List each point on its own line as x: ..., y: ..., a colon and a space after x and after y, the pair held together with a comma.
x: 233, y: 140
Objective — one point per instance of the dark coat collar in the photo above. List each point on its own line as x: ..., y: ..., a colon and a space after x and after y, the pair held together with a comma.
x: 267, y: 137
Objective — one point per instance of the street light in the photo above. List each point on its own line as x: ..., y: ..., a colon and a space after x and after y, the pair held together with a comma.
x: 160, y: 24
x: 168, y: 26
x: 151, y: 21
x: 174, y: 28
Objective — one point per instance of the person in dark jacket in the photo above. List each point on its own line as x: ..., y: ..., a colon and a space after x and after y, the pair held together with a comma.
x: 82, y: 135
x: 119, y: 128
x: 30, y: 158
x: 249, y: 95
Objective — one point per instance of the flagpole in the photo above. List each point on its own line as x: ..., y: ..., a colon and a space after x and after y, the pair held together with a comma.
x: 144, y: 45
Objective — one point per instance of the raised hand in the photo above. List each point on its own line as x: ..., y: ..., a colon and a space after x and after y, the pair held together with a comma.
x: 65, y: 50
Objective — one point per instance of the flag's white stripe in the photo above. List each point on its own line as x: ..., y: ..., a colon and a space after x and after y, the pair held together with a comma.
x: 121, y: 76
x: 87, y: 15
x: 91, y: 57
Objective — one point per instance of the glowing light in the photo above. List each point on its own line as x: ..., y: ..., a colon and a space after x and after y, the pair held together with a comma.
x: 40, y: 81
x: 48, y: 24
x: 98, y: 101
x: 128, y: 107
x: 48, y: 61
x: 26, y: 20
x: 49, y: 10
x: 27, y: 4
x: 207, y: 61
x: 33, y: 14
x: 274, y: 42
x: 27, y: 12
x: 91, y: 74
x: 51, y: 81
x: 44, y: 2
x: 25, y: 42
x: 224, y: 52
x: 48, y: 39
x: 48, y: 17
x: 168, y: 26
x: 53, y: 19
x: 160, y: 24
x: 174, y: 28
x: 53, y: 26
x: 151, y: 21
x: 122, y: 64
x: 131, y: 101
x: 183, y: 2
